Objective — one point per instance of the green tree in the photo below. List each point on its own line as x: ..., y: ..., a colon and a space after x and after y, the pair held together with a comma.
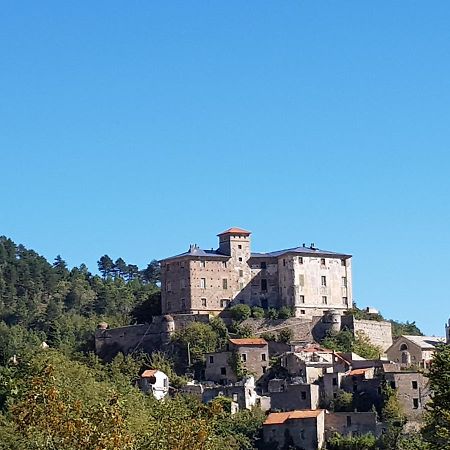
x: 437, y: 420
x: 105, y: 266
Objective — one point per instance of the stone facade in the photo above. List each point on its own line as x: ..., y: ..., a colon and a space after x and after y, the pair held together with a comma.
x: 253, y: 354
x: 285, y: 396
x: 306, y: 279
x: 351, y: 423
x: 303, y: 429
x: 414, y: 350
x: 147, y: 337
x: 412, y: 392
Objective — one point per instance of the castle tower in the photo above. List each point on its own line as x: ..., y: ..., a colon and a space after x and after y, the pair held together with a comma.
x: 447, y: 331
x: 332, y: 321
x: 235, y: 242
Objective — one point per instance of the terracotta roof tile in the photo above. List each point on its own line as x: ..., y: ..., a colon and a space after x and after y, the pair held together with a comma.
x: 279, y: 418
x: 235, y: 230
x: 148, y: 373
x: 358, y: 371
x: 249, y: 341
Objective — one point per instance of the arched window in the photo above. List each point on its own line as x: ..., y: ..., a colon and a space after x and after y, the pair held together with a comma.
x: 403, y: 347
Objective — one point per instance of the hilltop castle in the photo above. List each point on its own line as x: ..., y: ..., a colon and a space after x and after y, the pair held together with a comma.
x: 306, y: 279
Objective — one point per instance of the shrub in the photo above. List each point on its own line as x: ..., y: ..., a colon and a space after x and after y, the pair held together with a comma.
x: 257, y: 312
x: 240, y: 312
x: 285, y: 335
x: 271, y: 313
x: 284, y: 313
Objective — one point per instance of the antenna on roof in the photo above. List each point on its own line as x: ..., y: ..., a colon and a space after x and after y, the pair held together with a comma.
x: 304, y: 245
x: 312, y: 245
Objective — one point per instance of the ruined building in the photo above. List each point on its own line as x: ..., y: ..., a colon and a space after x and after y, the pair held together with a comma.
x: 305, y: 278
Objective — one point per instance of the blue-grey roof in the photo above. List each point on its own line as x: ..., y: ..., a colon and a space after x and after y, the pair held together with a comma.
x: 195, y: 251
x: 306, y: 251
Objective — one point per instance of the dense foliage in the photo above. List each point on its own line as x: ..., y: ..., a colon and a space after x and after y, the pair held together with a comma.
x: 437, y: 429
x: 47, y: 302
x: 100, y: 408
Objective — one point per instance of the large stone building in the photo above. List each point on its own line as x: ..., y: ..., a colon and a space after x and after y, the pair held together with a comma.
x: 307, y: 279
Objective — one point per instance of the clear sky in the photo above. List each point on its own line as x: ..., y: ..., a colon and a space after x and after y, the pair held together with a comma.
x: 135, y: 128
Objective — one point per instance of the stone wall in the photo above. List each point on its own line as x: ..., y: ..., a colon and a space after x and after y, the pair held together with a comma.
x: 146, y: 337
x: 379, y: 332
x: 351, y: 423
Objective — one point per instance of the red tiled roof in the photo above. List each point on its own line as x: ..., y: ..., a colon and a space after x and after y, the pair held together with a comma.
x: 249, y: 341
x: 148, y: 373
x: 279, y: 418
x: 358, y: 371
x: 235, y: 230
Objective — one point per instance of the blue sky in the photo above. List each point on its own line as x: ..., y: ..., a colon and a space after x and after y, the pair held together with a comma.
x: 136, y: 128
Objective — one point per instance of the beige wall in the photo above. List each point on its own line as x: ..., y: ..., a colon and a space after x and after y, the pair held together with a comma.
x: 302, y: 276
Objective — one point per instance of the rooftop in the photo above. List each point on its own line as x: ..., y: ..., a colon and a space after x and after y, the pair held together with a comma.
x: 148, y: 373
x: 248, y: 341
x: 281, y: 417
x: 235, y: 230
x: 425, y: 342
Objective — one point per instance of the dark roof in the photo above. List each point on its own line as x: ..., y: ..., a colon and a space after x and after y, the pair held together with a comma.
x: 307, y: 251
x: 198, y: 252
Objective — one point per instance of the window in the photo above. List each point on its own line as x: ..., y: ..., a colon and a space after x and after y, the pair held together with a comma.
x: 303, y: 395
x: 225, y: 283
x: 301, y: 279
x: 241, y: 273
x: 223, y: 371
x: 241, y: 285
x: 224, y: 303
x: 324, y: 280
x: 300, y: 260
x: 182, y: 283
x: 263, y: 284
x: 202, y: 263
x: 343, y: 262
x: 322, y: 261
x: 334, y: 381
x: 349, y: 421
x: 403, y: 347
x: 302, y: 311
x: 415, y: 403
x: 235, y: 397
x: 264, y: 369
x: 169, y: 306
x: 167, y: 267
x: 263, y: 265
x: 392, y: 384
x: 302, y: 299
x: 204, y: 302
x: 169, y: 286
x: 182, y: 264
x: 202, y: 283
x: 345, y: 301
x: 183, y: 303
x: 263, y: 357
x: 224, y: 264
x: 344, y: 281
x: 244, y: 357
x: 414, y: 384
x: 324, y: 300
x: 284, y: 262
x: 239, y: 246
x: 211, y: 359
